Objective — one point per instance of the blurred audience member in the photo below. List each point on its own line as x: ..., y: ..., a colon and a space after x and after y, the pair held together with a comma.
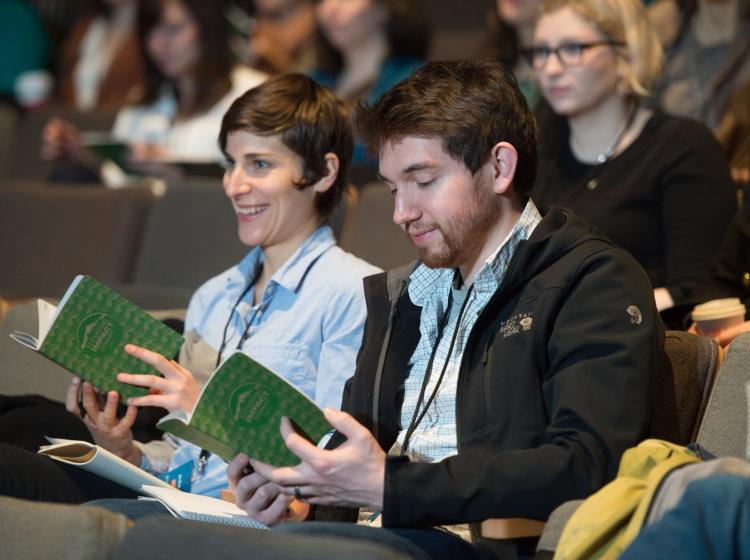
x: 24, y: 47
x: 283, y: 38
x: 729, y: 276
x: 657, y: 185
x: 190, y: 82
x: 510, y: 27
x: 376, y: 44
x: 707, y: 55
x: 733, y: 133
x: 101, y: 59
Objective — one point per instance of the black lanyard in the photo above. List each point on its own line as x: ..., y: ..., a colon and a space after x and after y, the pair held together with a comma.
x: 205, y: 453
x: 419, y: 415
x: 246, y: 332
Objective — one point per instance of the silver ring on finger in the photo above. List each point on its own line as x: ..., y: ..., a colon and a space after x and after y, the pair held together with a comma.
x: 297, y: 493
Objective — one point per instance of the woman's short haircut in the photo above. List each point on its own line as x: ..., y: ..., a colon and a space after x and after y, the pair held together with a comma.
x: 310, y: 120
x: 626, y: 22
x: 471, y: 105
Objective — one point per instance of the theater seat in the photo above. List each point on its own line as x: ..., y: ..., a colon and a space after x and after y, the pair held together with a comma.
x: 371, y: 234
x: 50, y: 233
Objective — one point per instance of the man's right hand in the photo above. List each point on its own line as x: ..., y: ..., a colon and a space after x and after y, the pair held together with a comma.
x: 108, y: 431
x: 261, y: 499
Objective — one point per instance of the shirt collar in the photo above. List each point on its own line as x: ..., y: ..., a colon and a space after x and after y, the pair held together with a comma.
x: 491, y: 274
x: 427, y: 282
x: 293, y: 271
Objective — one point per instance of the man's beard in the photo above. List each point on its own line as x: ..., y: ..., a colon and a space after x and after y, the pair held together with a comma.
x: 463, y: 235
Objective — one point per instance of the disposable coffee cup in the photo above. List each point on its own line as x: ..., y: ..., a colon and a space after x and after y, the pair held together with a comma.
x: 718, y: 314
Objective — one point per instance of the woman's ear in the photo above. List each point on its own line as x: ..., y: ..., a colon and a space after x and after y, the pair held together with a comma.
x: 332, y: 173
x: 503, y: 159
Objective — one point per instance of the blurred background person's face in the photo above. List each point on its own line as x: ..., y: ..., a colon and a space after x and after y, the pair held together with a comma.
x: 291, y: 23
x: 174, y: 44
x: 283, y: 29
x: 518, y: 13
x: 578, y: 86
x: 348, y: 24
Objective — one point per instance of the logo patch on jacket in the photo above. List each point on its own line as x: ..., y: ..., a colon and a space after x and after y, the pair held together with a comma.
x: 636, y: 317
x: 515, y: 324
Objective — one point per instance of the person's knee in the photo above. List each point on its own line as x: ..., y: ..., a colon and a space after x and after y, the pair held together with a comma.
x: 35, y: 530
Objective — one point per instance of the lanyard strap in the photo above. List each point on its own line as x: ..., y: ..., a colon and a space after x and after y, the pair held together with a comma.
x: 419, y: 415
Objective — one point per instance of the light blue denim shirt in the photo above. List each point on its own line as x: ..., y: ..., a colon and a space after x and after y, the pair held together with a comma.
x: 307, y: 328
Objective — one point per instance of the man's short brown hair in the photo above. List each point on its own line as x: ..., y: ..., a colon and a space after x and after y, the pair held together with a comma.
x: 470, y: 105
x: 311, y: 121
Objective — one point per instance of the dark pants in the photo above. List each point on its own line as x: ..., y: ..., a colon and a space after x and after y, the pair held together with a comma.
x: 418, y: 544
x: 24, y: 421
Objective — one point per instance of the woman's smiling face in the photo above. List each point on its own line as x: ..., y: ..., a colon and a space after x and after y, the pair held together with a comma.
x: 260, y: 181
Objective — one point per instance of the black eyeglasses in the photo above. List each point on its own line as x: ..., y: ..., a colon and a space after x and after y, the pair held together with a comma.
x: 569, y: 54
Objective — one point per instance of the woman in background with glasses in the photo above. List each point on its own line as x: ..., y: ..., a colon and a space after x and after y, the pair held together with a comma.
x: 657, y: 185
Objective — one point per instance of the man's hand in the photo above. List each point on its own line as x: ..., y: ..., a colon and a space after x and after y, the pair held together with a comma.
x: 107, y: 430
x: 177, y: 390
x: 351, y: 475
x: 261, y: 499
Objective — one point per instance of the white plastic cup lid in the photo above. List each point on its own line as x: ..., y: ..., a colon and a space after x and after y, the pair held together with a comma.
x: 718, y: 309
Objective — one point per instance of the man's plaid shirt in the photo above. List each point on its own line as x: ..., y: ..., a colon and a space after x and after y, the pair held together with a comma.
x: 435, y: 436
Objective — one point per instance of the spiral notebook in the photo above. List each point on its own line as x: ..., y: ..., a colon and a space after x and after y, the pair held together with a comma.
x: 201, y: 508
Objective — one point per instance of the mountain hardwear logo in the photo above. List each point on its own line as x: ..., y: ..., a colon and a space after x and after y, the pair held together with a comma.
x: 636, y: 317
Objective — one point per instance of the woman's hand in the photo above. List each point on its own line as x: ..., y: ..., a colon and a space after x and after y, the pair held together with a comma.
x: 60, y: 140
x: 725, y: 336
x: 177, y: 390
x: 108, y: 431
x: 261, y: 499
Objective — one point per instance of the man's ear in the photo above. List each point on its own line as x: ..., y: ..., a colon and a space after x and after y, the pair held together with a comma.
x: 332, y: 172
x: 503, y: 159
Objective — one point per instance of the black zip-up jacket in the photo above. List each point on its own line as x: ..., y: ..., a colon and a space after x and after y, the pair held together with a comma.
x: 555, y: 382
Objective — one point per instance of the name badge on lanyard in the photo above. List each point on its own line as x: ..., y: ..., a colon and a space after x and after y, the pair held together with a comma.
x: 179, y: 477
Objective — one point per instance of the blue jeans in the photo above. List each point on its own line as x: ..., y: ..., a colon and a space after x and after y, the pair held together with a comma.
x: 132, y: 509
x: 711, y: 521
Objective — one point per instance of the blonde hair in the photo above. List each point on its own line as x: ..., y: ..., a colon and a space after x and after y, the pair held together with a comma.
x: 623, y: 21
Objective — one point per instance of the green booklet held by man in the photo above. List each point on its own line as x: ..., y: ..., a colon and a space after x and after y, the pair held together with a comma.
x: 87, y: 333
x: 239, y: 410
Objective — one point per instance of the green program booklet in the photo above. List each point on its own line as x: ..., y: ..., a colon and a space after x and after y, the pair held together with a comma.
x: 239, y: 410
x: 87, y: 332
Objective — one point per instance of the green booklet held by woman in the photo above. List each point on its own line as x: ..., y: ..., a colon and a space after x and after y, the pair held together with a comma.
x: 239, y: 410
x: 87, y: 333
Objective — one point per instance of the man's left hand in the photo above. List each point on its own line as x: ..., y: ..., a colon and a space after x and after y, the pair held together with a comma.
x: 352, y: 475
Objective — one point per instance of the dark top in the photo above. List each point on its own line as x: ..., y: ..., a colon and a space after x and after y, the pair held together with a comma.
x: 667, y: 198
x: 544, y: 409
x: 730, y: 270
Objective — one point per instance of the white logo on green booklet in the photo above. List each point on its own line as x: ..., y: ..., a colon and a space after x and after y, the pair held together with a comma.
x: 98, y: 334
x: 250, y: 403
